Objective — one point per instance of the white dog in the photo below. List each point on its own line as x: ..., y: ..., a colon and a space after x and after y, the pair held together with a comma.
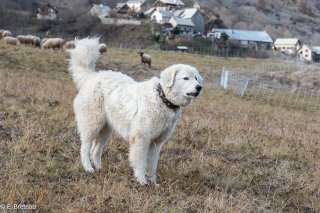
x: 143, y: 113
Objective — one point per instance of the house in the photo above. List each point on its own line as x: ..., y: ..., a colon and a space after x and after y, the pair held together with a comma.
x: 136, y: 5
x: 306, y: 53
x: 169, y: 4
x: 185, y: 26
x: 150, y: 11
x: 47, y: 12
x: 245, y: 38
x: 316, y: 54
x: 122, y: 8
x: 310, y: 54
x: 288, y: 45
x: 161, y: 16
x: 196, y: 17
x: 100, y: 10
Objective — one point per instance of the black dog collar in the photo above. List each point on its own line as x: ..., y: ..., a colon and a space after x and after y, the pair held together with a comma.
x: 164, y: 99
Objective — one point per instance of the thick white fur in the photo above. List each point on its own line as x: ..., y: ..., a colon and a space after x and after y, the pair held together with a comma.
x: 110, y: 101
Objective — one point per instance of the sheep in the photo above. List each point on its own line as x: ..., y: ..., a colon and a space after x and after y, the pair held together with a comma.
x: 1, y: 31
x: 145, y: 59
x: 102, y: 48
x: 11, y: 40
x: 6, y: 33
x: 53, y: 43
x: 69, y: 45
x: 43, y: 40
x: 29, y: 39
x: 35, y: 40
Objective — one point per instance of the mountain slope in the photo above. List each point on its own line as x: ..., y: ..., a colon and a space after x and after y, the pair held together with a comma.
x: 287, y: 18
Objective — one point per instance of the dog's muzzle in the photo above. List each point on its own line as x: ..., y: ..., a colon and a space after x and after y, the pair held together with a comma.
x: 195, y: 94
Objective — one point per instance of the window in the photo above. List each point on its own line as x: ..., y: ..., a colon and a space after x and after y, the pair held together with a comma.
x: 306, y: 55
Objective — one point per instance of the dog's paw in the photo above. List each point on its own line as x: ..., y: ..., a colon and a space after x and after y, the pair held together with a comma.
x: 89, y: 169
x: 154, y: 182
x: 142, y: 181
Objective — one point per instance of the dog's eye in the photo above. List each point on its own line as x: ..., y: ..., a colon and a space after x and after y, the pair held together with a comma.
x: 186, y: 78
x: 196, y: 78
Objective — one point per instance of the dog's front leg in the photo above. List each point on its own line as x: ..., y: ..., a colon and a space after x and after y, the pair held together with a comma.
x: 138, y: 153
x: 153, y: 156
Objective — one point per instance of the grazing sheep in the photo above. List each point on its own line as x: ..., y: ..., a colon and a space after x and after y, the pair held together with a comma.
x: 29, y: 39
x: 53, y: 43
x: 1, y: 31
x: 69, y: 45
x: 6, y: 33
x: 11, y: 40
x: 43, y: 40
x: 145, y: 59
x: 102, y: 48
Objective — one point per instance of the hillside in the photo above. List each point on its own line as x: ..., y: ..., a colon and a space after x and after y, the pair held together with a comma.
x: 287, y: 18
x: 280, y: 18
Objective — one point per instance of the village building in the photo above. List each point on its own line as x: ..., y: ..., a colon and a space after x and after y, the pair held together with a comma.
x: 185, y: 26
x: 161, y: 16
x: 245, y: 38
x: 195, y: 15
x: 306, y: 53
x: 169, y: 4
x: 288, y: 46
x: 150, y: 11
x: 137, y: 5
x: 316, y: 54
x: 100, y: 10
x: 122, y: 8
x: 47, y: 12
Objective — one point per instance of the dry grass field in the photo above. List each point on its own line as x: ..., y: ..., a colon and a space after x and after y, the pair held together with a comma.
x: 227, y: 154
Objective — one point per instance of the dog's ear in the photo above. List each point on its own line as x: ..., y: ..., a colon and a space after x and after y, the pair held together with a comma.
x: 168, y: 75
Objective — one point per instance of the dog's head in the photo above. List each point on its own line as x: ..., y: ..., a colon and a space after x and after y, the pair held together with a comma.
x: 181, y: 84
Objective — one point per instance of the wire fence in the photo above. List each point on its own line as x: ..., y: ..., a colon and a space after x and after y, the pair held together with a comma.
x: 213, y: 51
x: 253, y: 85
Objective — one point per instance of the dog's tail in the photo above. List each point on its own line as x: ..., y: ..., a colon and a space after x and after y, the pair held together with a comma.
x: 83, y: 59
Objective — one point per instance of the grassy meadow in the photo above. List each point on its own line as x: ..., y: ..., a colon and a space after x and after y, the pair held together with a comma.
x: 227, y: 154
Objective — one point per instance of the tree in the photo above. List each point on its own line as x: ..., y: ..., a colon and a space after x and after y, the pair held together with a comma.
x: 176, y: 31
x: 224, y: 36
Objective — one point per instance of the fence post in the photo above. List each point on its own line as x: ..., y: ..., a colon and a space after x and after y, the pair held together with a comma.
x: 222, y: 77
x: 244, y: 88
x: 225, y: 79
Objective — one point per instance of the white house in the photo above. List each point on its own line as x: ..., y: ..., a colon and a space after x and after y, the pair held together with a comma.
x: 47, y: 12
x: 100, y: 10
x: 161, y: 16
x: 185, y: 26
x: 306, y: 53
x: 196, y: 17
x: 169, y: 4
x: 136, y: 5
x: 288, y: 45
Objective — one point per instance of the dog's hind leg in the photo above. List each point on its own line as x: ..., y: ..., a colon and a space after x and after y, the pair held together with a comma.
x: 87, y: 136
x: 89, y: 129
x: 97, y: 147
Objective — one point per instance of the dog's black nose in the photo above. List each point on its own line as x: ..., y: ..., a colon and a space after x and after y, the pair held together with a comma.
x: 198, y: 88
